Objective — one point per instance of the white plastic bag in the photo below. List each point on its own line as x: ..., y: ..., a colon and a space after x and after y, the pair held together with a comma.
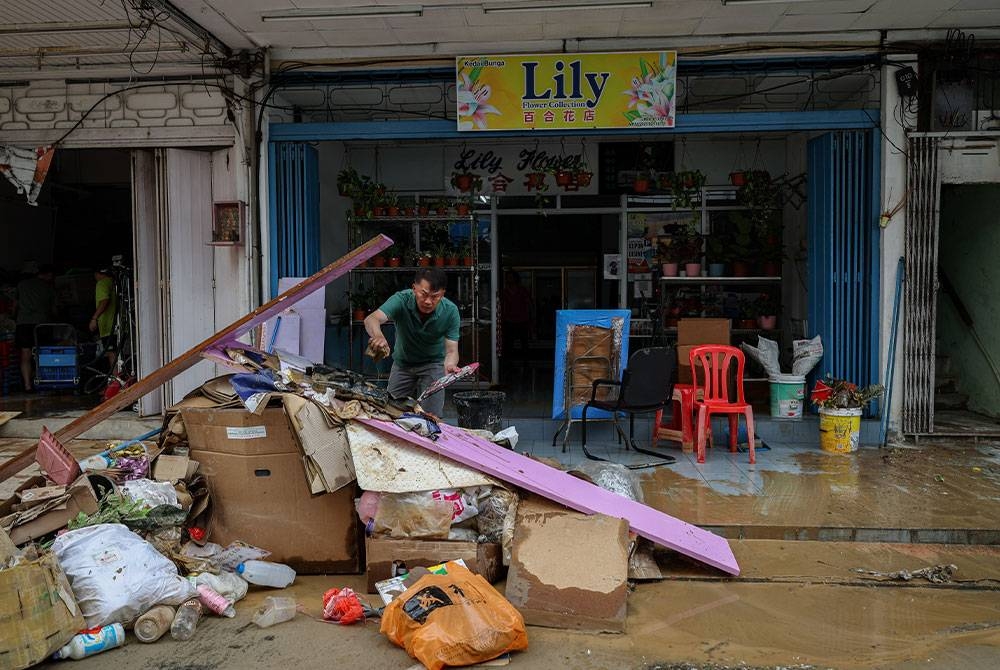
x: 152, y: 493
x: 227, y: 584
x: 116, y: 575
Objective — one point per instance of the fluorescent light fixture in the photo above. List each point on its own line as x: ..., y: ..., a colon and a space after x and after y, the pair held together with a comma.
x: 321, y: 14
x: 567, y: 6
x: 763, y: 2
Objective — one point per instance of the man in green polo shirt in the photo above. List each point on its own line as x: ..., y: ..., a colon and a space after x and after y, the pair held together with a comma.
x: 427, y: 330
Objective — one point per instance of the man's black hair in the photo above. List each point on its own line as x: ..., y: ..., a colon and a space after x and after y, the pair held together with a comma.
x: 436, y: 277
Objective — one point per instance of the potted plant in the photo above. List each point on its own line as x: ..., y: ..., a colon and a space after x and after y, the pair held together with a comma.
x: 423, y: 209
x: 391, y: 202
x: 688, y: 241
x: 439, y: 252
x: 767, y: 312
x: 452, y: 257
x: 378, y: 261
x: 738, y: 177
x: 665, y: 181
x: 563, y: 177
x: 583, y: 174
x: 363, y: 302
x: 669, y: 256
x: 441, y: 207
x: 419, y: 258
x: 747, y: 320
x: 743, y: 246
x: 467, y: 259
x: 395, y: 256
x: 642, y: 182
x: 840, y: 404
x: 349, y: 182
x: 466, y: 182
x: 719, y: 254
x: 463, y: 205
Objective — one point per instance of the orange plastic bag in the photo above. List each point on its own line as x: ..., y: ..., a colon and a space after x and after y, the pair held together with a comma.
x: 453, y: 619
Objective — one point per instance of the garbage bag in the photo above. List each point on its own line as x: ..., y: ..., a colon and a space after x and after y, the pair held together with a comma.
x: 151, y: 493
x: 413, y: 515
x: 453, y: 619
x: 116, y: 575
x: 613, y: 477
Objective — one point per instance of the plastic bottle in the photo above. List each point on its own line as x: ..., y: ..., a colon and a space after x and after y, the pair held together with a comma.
x: 265, y: 573
x: 154, y: 624
x: 215, y: 602
x: 186, y: 620
x: 88, y: 644
x: 227, y: 584
x: 275, y: 610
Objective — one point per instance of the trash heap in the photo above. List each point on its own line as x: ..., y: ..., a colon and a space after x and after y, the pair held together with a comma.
x: 152, y: 536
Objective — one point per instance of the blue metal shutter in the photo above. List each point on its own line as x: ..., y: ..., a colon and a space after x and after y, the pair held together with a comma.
x: 294, y: 211
x: 844, y: 178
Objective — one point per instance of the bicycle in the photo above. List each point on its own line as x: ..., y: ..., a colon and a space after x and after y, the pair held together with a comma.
x: 98, y: 379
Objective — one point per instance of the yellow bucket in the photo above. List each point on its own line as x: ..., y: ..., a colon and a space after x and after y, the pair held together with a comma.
x: 839, y: 430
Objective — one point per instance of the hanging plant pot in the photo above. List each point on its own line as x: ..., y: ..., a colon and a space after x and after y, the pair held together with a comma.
x: 583, y: 179
x: 564, y: 178
x: 640, y: 185
x: 738, y: 178
x: 463, y: 182
x: 665, y: 181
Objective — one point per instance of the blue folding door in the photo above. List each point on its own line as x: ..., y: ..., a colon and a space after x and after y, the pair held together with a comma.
x: 294, y: 211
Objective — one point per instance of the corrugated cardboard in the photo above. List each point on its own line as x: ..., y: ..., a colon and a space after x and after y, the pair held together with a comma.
x: 255, y: 474
x: 694, y: 332
x: 38, y: 613
x: 82, y: 499
x: 380, y: 553
x: 582, y: 588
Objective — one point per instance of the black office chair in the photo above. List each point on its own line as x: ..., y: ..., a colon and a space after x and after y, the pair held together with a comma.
x: 647, y: 385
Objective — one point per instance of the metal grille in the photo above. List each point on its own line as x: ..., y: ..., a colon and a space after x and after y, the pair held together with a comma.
x: 294, y: 220
x: 844, y: 253
x: 921, y: 286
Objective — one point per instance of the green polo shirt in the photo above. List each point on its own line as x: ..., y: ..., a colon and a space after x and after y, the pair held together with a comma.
x: 420, y: 341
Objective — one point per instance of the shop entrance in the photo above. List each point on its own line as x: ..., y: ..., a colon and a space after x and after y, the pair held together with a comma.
x: 82, y: 223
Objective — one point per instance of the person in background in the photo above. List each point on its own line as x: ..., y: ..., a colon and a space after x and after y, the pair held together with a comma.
x: 427, y: 332
x: 515, y: 319
x: 36, y: 301
x: 103, y: 321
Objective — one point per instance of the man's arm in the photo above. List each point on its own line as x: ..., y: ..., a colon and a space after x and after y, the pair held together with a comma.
x: 102, y: 306
x: 373, y: 326
x: 450, y: 356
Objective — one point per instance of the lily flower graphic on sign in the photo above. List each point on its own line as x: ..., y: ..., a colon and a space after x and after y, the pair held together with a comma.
x: 652, y: 92
x: 473, y: 103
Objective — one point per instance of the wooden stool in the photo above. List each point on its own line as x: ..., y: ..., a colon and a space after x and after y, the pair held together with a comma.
x: 681, y: 426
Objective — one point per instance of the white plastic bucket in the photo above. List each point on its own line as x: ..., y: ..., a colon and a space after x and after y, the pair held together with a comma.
x: 788, y: 394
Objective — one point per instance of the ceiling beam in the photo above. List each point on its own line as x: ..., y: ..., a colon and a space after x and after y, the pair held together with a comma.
x: 62, y: 27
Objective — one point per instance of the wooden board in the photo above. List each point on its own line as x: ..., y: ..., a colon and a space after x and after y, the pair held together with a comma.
x: 577, y: 494
x: 7, y: 416
x: 231, y: 333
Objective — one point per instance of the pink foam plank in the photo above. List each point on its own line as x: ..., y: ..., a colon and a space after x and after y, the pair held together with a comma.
x: 572, y: 492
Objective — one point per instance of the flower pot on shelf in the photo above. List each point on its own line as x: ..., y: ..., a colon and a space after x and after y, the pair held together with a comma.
x: 378, y: 210
x: 452, y: 261
x: 467, y: 261
x: 358, y: 315
x: 462, y: 209
x: 439, y: 261
x: 441, y: 211
x: 770, y: 269
x: 395, y: 262
x: 692, y: 269
x: 741, y: 268
x: 423, y: 262
x: 669, y: 269
x: 640, y: 185
x: 378, y: 262
x: 359, y: 211
x: 392, y: 211
x: 769, y: 322
x: 716, y: 269
x: 423, y: 210
x: 409, y: 211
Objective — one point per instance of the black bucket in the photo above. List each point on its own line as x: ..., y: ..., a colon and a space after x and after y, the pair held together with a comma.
x: 482, y: 410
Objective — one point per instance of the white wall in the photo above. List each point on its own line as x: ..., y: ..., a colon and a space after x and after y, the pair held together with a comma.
x: 716, y: 158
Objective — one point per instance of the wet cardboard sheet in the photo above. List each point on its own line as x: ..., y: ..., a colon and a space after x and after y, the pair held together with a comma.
x: 577, y: 494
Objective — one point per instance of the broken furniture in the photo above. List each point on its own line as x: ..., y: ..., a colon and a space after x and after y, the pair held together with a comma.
x: 710, y: 366
x: 645, y: 386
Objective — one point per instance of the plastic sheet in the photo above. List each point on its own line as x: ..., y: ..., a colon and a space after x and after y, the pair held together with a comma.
x: 613, y: 477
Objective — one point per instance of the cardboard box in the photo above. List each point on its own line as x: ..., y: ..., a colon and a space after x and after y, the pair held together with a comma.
x: 254, y: 469
x: 380, y: 553
x: 38, y: 613
x: 695, y: 332
x: 583, y: 588
x: 82, y: 499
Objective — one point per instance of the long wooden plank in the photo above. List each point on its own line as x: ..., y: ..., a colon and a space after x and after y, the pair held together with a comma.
x: 235, y: 330
x: 568, y: 490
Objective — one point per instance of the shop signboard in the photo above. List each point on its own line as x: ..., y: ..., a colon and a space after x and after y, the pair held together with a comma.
x: 566, y: 91
x: 521, y: 168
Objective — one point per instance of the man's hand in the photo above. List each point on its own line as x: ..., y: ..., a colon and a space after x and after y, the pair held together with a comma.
x: 450, y: 368
x: 93, y: 325
x: 378, y: 343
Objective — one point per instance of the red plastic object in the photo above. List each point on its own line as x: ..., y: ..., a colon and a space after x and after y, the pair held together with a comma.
x: 197, y: 534
x: 342, y: 606
x: 57, y: 463
x: 680, y: 427
x: 710, y: 365
x: 821, y: 392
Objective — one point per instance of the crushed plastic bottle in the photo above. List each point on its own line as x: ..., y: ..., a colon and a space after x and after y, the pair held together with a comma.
x: 215, y: 602
x: 265, y: 573
x: 154, y: 624
x: 186, y: 620
x: 275, y: 610
x: 92, y: 642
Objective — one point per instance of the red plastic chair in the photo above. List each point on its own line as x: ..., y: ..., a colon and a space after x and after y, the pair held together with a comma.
x: 710, y: 365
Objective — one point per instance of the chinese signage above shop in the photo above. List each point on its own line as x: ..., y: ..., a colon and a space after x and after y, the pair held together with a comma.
x: 566, y: 91
x: 515, y: 169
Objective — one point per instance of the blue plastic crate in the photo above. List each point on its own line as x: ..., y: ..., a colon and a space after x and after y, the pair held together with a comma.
x: 57, y: 360
x: 62, y: 373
